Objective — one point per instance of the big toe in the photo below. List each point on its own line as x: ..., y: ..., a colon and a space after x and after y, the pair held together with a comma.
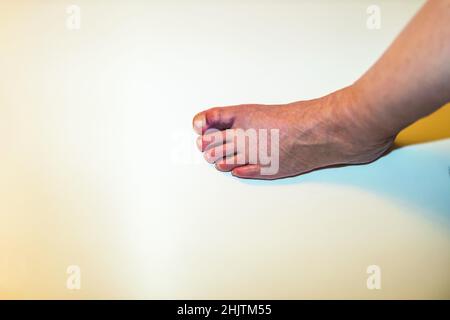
x: 214, y: 118
x: 250, y: 171
x: 199, y: 122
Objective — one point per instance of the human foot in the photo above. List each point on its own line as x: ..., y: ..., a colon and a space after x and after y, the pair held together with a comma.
x: 312, y: 134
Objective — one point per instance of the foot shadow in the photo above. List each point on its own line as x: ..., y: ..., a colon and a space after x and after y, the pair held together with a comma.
x: 416, y: 171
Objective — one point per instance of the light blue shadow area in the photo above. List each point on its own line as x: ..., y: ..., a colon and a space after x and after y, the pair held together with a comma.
x: 418, y: 175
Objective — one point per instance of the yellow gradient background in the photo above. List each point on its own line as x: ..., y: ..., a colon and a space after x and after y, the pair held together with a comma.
x: 98, y: 166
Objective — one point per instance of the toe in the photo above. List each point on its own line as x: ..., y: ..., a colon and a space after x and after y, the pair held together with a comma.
x: 230, y: 163
x: 199, y: 143
x: 251, y: 171
x: 199, y: 122
x: 214, y: 138
x: 218, y: 153
x: 218, y: 118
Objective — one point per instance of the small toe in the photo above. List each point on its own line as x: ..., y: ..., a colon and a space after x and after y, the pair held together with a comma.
x: 230, y: 163
x: 213, y: 138
x: 218, y: 153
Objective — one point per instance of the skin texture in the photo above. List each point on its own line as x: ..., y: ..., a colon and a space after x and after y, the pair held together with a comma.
x: 354, y: 125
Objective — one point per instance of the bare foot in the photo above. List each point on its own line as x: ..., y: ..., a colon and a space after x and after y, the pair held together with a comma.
x: 312, y: 134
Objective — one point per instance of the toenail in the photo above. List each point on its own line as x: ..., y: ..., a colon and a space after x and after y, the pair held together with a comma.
x: 198, y: 123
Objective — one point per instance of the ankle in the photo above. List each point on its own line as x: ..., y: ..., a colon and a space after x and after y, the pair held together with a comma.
x: 360, y: 121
